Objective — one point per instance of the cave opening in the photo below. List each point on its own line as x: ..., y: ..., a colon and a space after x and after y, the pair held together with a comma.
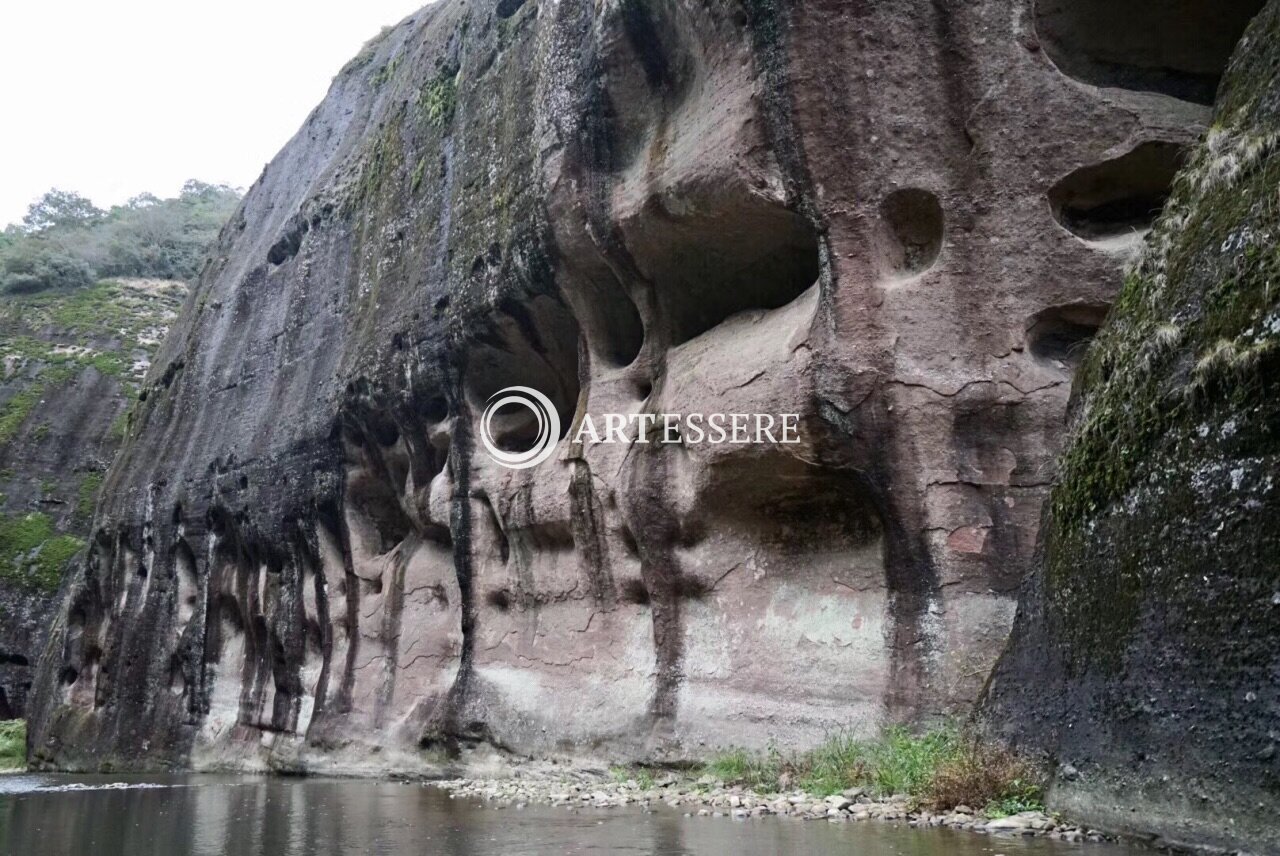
x: 1061, y: 334
x: 1174, y: 47
x: 1120, y: 196
x: 720, y: 267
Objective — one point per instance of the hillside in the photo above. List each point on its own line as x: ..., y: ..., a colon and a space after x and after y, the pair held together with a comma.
x: 71, y: 366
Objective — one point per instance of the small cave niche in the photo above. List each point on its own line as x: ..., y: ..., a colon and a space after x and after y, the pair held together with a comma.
x: 1061, y: 334
x: 715, y: 267
x: 177, y: 680
x: 1174, y: 47
x: 1117, y: 197
x: 374, y: 514
x: 535, y: 345
x: 507, y: 8
x: 912, y: 227
x: 611, y: 324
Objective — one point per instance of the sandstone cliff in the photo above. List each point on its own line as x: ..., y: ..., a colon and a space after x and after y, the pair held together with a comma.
x: 1147, y: 648
x: 902, y: 221
x: 70, y: 366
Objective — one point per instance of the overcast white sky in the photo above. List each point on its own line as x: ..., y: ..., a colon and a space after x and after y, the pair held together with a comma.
x: 111, y: 99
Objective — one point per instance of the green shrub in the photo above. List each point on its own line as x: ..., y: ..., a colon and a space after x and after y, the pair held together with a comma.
x: 989, y: 777
x: 13, y: 744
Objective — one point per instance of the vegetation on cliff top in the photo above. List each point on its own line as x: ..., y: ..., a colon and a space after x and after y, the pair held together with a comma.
x: 65, y: 242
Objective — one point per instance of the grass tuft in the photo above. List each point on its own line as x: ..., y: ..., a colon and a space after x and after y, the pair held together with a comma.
x: 941, y: 767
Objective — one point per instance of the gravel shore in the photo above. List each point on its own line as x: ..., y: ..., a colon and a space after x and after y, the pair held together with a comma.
x: 709, y: 797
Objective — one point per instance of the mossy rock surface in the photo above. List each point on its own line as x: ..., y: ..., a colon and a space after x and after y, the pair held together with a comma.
x: 1147, y: 644
x: 71, y: 365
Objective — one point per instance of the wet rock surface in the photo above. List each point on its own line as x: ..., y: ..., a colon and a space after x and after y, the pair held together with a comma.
x: 304, y: 559
x: 1145, y: 653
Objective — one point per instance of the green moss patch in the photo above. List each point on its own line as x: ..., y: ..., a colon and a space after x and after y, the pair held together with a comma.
x: 32, y: 554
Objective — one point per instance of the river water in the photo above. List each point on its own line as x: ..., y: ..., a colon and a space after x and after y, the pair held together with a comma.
x: 246, y: 815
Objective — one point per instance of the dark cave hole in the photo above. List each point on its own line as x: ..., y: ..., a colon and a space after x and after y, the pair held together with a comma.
x: 534, y: 345
x: 229, y: 613
x: 499, y: 599
x: 912, y: 230
x: 436, y: 409
x: 177, y: 680
x: 635, y: 591
x: 12, y: 659
x: 717, y: 268
x: 1118, y: 196
x: 612, y: 323
x: 507, y: 8
x: 287, y: 246
x: 1062, y: 333
x: 1175, y: 47
x: 68, y: 676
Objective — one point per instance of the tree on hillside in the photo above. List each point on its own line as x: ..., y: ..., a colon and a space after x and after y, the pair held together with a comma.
x: 65, y: 242
x: 61, y: 208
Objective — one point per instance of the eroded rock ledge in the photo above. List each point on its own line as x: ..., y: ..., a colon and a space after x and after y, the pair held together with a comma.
x: 861, y: 213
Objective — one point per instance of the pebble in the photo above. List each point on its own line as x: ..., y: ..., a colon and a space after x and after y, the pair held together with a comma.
x: 710, y: 797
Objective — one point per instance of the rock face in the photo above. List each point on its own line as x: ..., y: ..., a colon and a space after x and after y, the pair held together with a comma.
x: 70, y: 364
x: 900, y: 221
x: 1147, y: 647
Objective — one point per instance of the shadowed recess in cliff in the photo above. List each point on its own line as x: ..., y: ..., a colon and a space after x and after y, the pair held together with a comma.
x: 1060, y: 335
x: 911, y: 231
x: 1176, y: 47
x: 534, y: 344
x: 1120, y: 196
x: 742, y: 254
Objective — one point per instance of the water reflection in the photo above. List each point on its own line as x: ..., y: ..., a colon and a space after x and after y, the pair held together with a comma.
x: 241, y: 815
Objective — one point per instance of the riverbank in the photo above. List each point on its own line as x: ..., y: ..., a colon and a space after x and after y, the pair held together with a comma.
x: 707, y: 796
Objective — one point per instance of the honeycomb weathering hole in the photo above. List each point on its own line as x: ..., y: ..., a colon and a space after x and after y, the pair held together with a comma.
x: 1062, y: 334
x: 1118, y: 196
x: 715, y: 269
x: 1175, y: 47
x: 912, y: 228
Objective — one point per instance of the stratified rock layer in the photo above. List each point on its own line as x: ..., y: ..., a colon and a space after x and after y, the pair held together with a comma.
x: 853, y: 212
x: 1147, y: 648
